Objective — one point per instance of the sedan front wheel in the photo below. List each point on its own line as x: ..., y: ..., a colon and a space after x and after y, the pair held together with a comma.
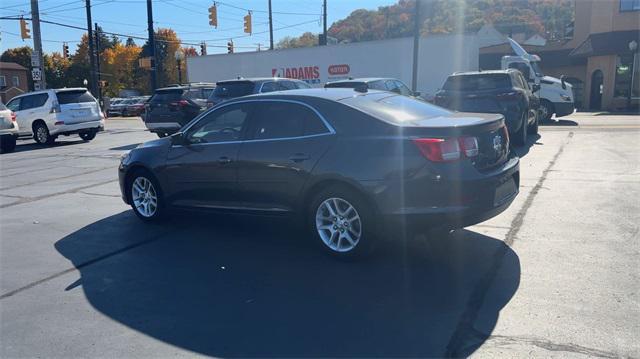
x: 145, y: 196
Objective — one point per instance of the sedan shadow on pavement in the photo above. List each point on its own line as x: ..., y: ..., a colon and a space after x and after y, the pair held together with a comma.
x: 254, y: 287
x: 532, y: 140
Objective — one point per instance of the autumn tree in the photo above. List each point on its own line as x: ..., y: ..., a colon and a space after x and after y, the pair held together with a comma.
x: 167, y: 42
x: 119, y: 68
x: 307, y: 39
x: 56, y: 69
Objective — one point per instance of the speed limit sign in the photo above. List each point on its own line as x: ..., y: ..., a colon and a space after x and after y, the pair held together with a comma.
x: 36, y: 74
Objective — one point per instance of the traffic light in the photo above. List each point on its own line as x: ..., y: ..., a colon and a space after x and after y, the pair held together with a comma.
x: 203, y: 49
x: 213, y: 16
x: 230, y: 47
x: 247, y: 23
x: 65, y: 50
x: 25, y: 33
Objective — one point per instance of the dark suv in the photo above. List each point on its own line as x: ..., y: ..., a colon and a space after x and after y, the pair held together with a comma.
x: 374, y: 83
x: 172, y: 107
x: 229, y: 89
x: 504, y: 91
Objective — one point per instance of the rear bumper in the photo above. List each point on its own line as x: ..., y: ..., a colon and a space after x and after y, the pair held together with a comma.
x: 564, y: 108
x: 77, y: 127
x: 452, y: 203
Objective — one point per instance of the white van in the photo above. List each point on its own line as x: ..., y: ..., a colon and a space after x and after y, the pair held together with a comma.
x: 45, y: 115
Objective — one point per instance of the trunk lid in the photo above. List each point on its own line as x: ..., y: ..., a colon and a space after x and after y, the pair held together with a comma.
x: 77, y: 106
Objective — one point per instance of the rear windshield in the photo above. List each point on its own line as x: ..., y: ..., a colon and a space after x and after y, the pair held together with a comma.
x: 477, y: 82
x: 233, y: 89
x: 166, y: 96
x: 77, y: 96
x: 395, y: 109
x: 341, y: 85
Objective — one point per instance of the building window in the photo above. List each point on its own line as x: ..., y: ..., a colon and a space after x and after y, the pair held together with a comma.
x: 16, y: 81
x: 629, y: 5
x: 623, y: 77
x: 3, y: 81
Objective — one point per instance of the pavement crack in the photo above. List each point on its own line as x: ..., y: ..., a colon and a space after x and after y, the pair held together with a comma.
x: 465, y: 335
x: 83, y: 264
x: 551, y: 346
x: 73, y: 190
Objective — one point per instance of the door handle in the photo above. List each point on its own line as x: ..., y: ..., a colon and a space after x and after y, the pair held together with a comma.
x: 224, y: 160
x: 298, y: 157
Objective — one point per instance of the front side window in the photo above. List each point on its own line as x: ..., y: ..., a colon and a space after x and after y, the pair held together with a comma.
x: 274, y: 120
x: 222, y: 125
x: 392, y: 86
x: 623, y: 77
x: 269, y: 87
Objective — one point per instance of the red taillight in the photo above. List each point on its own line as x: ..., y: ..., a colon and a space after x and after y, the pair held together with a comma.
x: 180, y: 103
x: 439, y: 149
x: 447, y: 149
x: 13, y: 117
x: 469, y: 146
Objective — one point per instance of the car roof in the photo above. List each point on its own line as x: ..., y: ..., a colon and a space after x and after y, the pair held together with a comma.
x: 363, y: 79
x: 255, y: 79
x: 333, y: 94
x: 490, y: 72
x: 54, y: 90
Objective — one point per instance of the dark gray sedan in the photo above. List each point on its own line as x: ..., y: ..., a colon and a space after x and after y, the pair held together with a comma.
x: 347, y: 163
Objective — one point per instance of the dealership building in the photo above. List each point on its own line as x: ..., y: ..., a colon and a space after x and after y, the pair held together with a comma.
x: 597, y: 58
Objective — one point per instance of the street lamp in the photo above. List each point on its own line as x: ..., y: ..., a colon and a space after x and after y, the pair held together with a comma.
x: 633, y: 47
x: 179, y: 57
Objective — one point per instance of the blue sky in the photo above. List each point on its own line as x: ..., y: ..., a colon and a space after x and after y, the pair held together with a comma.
x: 189, y: 18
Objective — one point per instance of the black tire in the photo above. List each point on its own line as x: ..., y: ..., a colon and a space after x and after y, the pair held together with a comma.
x: 533, y: 128
x: 7, y: 144
x: 367, y: 223
x: 88, y: 135
x: 546, y: 110
x: 160, y: 210
x: 520, y: 137
x: 41, y: 134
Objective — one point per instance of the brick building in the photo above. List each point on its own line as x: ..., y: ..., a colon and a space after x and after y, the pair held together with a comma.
x: 13, y: 80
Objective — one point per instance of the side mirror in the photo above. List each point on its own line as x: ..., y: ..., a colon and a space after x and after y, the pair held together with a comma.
x: 178, y: 138
x: 535, y: 88
x: 562, y: 79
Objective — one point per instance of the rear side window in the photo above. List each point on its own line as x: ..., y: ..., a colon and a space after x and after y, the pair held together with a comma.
x: 269, y: 87
x: 302, y: 85
x: 81, y: 96
x: 273, y: 120
x: 234, y: 89
x: 477, y: 82
x: 166, y: 96
x: 33, y: 101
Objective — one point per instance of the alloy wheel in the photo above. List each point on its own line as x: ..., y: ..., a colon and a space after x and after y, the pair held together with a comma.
x: 338, y: 224
x: 145, y: 198
x: 42, y: 134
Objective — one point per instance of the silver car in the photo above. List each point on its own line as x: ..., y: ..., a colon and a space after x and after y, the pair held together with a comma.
x: 8, y: 129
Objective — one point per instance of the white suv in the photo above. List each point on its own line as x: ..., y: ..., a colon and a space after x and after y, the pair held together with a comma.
x: 49, y: 113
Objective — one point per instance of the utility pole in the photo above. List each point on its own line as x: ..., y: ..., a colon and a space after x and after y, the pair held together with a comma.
x: 324, y: 23
x: 416, y: 45
x: 92, y: 51
x: 152, y: 45
x: 270, y: 27
x: 97, y: 39
x: 37, y: 45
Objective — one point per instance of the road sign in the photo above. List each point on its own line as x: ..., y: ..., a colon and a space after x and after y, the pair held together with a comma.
x: 36, y: 74
x: 35, y: 59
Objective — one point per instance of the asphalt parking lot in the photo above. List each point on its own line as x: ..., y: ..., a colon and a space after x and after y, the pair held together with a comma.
x: 557, y: 274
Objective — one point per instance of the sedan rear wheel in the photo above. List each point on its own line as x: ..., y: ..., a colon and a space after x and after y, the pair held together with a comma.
x: 342, y: 222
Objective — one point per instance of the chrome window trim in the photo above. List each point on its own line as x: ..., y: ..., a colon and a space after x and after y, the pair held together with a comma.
x: 327, y: 125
